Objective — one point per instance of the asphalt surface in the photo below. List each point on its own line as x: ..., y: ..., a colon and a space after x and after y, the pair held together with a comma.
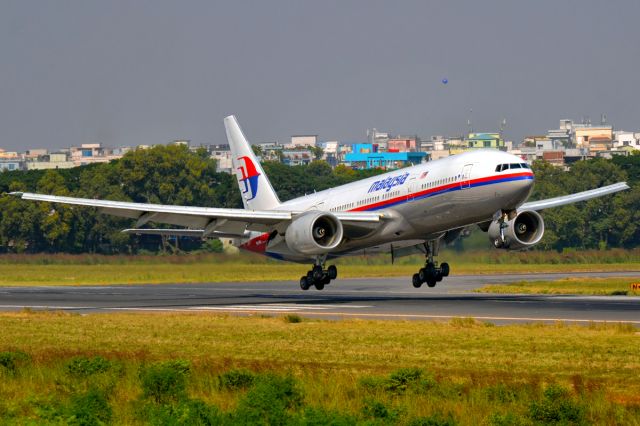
x: 388, y: 298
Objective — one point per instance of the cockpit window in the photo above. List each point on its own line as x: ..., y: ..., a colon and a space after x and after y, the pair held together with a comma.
x: 503, y: 167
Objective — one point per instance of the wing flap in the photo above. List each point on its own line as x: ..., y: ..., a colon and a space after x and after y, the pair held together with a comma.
x: 195, y: 233
x: 574, y: 198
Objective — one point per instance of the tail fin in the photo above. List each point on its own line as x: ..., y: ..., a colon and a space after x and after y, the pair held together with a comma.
x: 257, y: 192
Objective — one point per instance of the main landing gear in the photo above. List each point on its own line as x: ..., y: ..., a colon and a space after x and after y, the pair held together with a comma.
x: 431, y: 273
x: 318, y: 276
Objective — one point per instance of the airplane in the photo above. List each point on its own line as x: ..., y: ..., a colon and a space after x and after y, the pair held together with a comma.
x: 409, y: 210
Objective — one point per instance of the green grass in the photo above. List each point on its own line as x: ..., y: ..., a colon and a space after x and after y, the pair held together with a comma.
x: 16, y: 270
x: 133, y: 368
x: 592, y: 286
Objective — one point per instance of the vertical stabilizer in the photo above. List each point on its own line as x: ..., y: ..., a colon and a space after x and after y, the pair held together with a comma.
x: 256, y: 190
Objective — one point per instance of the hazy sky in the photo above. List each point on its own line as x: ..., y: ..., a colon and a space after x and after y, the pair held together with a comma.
x: 133, y: 72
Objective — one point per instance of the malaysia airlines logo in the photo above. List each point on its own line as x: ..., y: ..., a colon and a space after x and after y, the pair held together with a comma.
x: 249, y: 178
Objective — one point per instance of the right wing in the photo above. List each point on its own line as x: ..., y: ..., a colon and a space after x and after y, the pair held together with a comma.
x: 574, y: 198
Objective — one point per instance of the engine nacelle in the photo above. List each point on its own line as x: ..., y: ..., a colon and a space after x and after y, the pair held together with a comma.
x: 314, y: 232
x: 523, y: 231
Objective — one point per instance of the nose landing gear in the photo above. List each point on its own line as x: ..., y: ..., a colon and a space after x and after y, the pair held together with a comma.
x: 431, y: 273
x: 318, y: 276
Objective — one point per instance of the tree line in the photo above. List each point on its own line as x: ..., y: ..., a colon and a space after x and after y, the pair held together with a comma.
x: 175, y: 175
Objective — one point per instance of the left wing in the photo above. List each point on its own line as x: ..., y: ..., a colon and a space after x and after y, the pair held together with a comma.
x: 574, y: 198
x: 207, y: 219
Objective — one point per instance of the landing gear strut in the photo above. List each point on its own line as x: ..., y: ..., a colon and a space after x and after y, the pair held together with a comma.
x: 431, y: 273
x: 318, y: 276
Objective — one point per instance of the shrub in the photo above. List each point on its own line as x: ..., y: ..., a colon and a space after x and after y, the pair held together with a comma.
x: 186, y: 412
x: 10, y: 361
x: 508, y: 419
x: 556, y: 407
x: 373, y: 409
x: 321, y: 417
x: 433, y: 420
x: 165, y: 381
x: 235, y: 379
x: 372, y: 383
x: 91, y: 408
x: 268, y: 402
x: 84, y: 366
x: 292, y: 318
x: 411, y: 379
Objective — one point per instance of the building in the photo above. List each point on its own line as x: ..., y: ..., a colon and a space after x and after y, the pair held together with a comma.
x: 626, y: 140
x: 584, y: 133
x: 56, y: 160
x: 222, y: 155
x: 301, y: 141
x: 298, y: 157
x: 89, y: 153
x: 270, y: 151
x: 11, y: 164
x: 403, y: 144
x: 563, y: 135
x: 378, y: 138
x: 485, y: 140
x: 331, y: 152
x: 367, y: 156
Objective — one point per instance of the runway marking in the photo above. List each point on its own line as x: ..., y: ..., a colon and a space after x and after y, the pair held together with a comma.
x: 276, y: 307
x: 296, y: 309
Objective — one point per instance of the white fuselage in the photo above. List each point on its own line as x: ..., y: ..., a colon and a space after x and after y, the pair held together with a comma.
x: 424, y: 201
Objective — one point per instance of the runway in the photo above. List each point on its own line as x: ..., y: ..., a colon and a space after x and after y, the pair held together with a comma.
x: 389, y: 298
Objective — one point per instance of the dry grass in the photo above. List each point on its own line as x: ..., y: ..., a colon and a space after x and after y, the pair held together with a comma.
x: 592, y: 286
x: 329, y: 358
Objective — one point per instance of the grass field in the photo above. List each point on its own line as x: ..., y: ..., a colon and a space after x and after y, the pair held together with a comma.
x: 593, y: 286
x: 98, y: 270
x: 59, y: 368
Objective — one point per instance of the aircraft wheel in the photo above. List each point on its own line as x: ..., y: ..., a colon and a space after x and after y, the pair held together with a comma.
x: 304, y: 283
x: 319, y: 285
x: 416, y: 281
x: 326, y: 279
x: 422, y: 274
x: 439, y: 277
x: 332, y: 271
x: 431, y: 282
x: 317, y: 273
x: 444, y: 269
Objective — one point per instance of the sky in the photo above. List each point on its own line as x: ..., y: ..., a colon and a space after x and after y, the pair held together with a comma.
x: 124, y: 72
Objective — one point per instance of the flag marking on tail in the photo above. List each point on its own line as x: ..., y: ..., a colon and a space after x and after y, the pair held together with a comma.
x: 249, y: 177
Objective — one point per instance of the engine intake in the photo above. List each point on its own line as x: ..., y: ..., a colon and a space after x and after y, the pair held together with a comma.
x: 314, y: 232
x: 523, y: 231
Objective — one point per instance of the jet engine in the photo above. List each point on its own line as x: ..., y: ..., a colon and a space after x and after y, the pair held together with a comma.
x: 314, y: 232
x: 523, y: 231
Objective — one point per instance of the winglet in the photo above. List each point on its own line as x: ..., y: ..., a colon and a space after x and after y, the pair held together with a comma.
x: 257, y: 192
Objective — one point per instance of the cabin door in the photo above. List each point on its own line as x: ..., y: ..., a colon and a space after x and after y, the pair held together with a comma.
x: 465, y: 181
